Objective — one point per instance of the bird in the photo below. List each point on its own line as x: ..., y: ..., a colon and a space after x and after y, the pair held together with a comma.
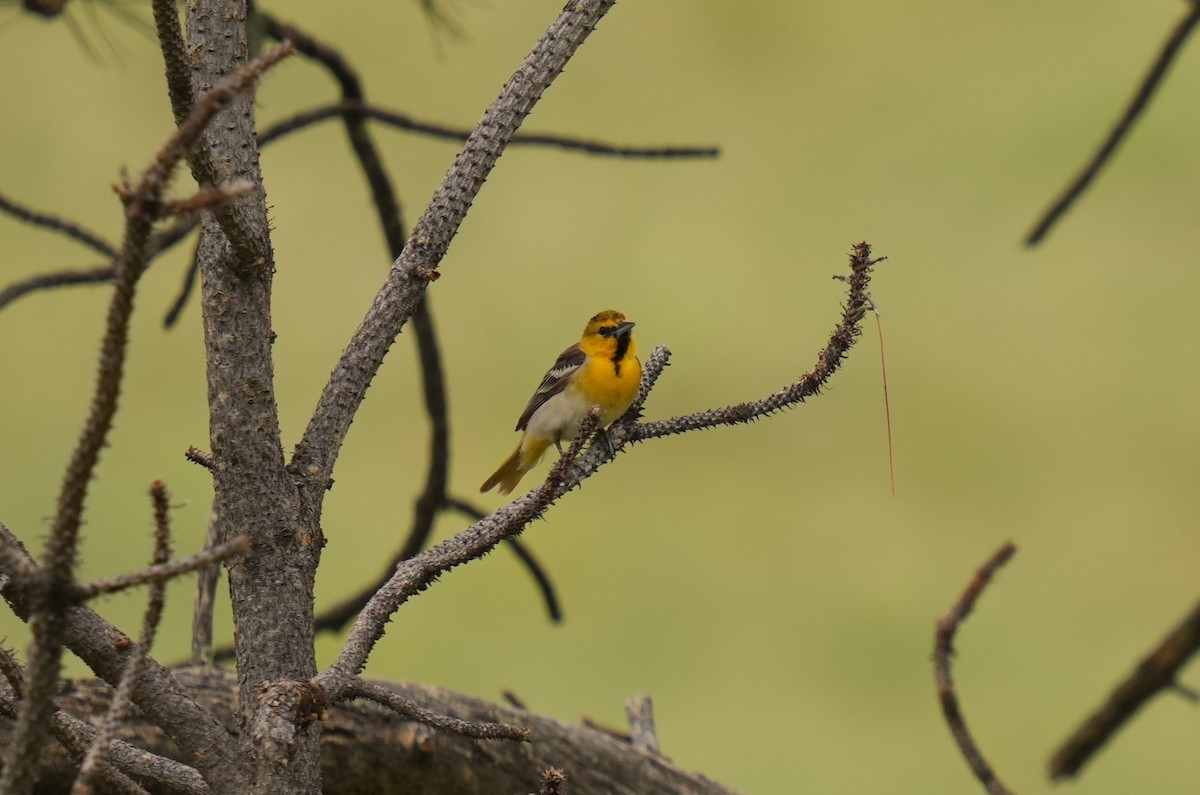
x: 602, y: 369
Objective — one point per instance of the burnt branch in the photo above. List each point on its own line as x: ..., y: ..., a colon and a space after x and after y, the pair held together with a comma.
x: 1137, y: 106
x: 403, y: 121
x: 1155, y: 673
x: 943, y: 648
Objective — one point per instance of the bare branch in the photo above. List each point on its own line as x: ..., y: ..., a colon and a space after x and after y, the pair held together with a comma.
x: 206, y: 592
x: 943, y: 647
x: 403, y: 121
x: 418, y: 573
x: 1155, y: 673
x: 405, y: 285
x: 69, y: 228
x: 1141, y: 99
x: 179, y: 86
x: 159, y: 242
x: 414, y: 575
x: 200, y: 457
x: 122, y: 700
x: 106, y: 651
x: 77, y: 736
x: 47, y: 281
x: 808, y: 385
x: 185, y: 291
x: 162, y: 572
x: 531, y: 564
x: 639, y: 711
x: 411, y: 709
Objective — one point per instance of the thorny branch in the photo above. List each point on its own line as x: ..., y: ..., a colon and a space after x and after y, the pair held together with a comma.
x: 410, y: 274
x: 1137, y: 106
x: 122, y: 700
x: 48, y: 609
x: 408, y: 708
x: 1155, y: 673
x: 414, y: 575
x: 947, y: 626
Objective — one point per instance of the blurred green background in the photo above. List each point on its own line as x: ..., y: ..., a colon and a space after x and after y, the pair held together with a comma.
x: 761, y: 582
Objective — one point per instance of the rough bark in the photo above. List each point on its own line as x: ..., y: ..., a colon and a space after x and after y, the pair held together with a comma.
x: 368, y: 750
x: 271, y: 586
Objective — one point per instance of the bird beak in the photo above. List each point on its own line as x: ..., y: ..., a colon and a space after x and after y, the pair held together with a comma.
x: 624, y: 328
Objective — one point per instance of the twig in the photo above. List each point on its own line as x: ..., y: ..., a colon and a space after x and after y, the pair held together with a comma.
x: 411, y: 709
x: 405, y: 122
x: 947, y: 626
x: 552, y: 781
x: 206, y: 593
x: 808, y: 385
x: 125, y: 760
x: 46, y: 281
x: 69, y: 228
x: 163, y: 572
x: 1155, y: 673
x: 1141, y: 99
x: 205, y: 171
x: 122, y: 699
x: 159, y: 242
x: 185, y: 292
x: 199, y: 457
x: 418, y: 573
x: 639, y: 711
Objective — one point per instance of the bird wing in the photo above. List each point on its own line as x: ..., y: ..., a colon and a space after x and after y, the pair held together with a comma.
x: 555, y: 381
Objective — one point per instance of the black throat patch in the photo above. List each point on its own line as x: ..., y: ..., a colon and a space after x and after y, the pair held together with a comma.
x: 622, y: 349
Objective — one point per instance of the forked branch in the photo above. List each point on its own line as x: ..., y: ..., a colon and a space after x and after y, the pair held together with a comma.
x: 415, y: 574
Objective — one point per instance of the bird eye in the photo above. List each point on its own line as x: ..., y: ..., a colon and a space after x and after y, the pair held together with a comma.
x: 607, y: 331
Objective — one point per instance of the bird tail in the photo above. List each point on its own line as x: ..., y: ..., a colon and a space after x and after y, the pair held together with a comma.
x: 523, y: 459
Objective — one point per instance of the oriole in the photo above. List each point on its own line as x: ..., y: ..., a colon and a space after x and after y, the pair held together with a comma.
x: 602, y: 370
